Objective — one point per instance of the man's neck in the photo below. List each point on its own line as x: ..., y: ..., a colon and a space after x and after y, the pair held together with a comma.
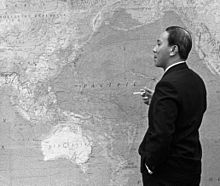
x: 174, y: 64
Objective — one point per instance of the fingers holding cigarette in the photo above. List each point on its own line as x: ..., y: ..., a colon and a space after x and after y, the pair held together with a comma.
x: 146, y: 93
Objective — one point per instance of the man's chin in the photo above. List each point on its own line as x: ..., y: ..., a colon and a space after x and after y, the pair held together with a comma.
x: 156, y: 64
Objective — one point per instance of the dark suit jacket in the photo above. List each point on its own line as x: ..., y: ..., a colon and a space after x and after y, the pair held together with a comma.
x: 171, y: 147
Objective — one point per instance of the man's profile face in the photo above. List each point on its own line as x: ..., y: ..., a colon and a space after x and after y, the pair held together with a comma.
x: 162, y: 51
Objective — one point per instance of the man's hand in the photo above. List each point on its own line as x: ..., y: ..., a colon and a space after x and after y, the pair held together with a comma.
x: 147, y: 94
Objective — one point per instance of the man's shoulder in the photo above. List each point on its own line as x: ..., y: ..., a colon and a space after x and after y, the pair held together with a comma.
x: 183, y: 75
x: 184, y: 79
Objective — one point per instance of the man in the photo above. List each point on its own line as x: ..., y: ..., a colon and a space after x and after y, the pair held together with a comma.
x: 171, y: 151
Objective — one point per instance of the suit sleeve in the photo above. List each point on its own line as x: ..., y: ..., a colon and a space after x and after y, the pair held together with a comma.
x: 162, y: 126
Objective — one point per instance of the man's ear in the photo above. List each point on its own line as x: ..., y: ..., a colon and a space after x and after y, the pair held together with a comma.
x: 174, y: 50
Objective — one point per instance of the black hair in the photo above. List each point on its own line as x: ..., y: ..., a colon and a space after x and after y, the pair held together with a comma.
x: 182, y: 38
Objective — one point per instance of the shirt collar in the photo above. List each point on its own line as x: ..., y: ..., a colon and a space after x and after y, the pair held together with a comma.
x: 174, y: 65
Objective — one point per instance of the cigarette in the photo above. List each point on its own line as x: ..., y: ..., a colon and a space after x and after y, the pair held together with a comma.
x: 138, y: 93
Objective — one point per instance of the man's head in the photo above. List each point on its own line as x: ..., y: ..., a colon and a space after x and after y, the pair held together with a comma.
x: 173, y: 45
